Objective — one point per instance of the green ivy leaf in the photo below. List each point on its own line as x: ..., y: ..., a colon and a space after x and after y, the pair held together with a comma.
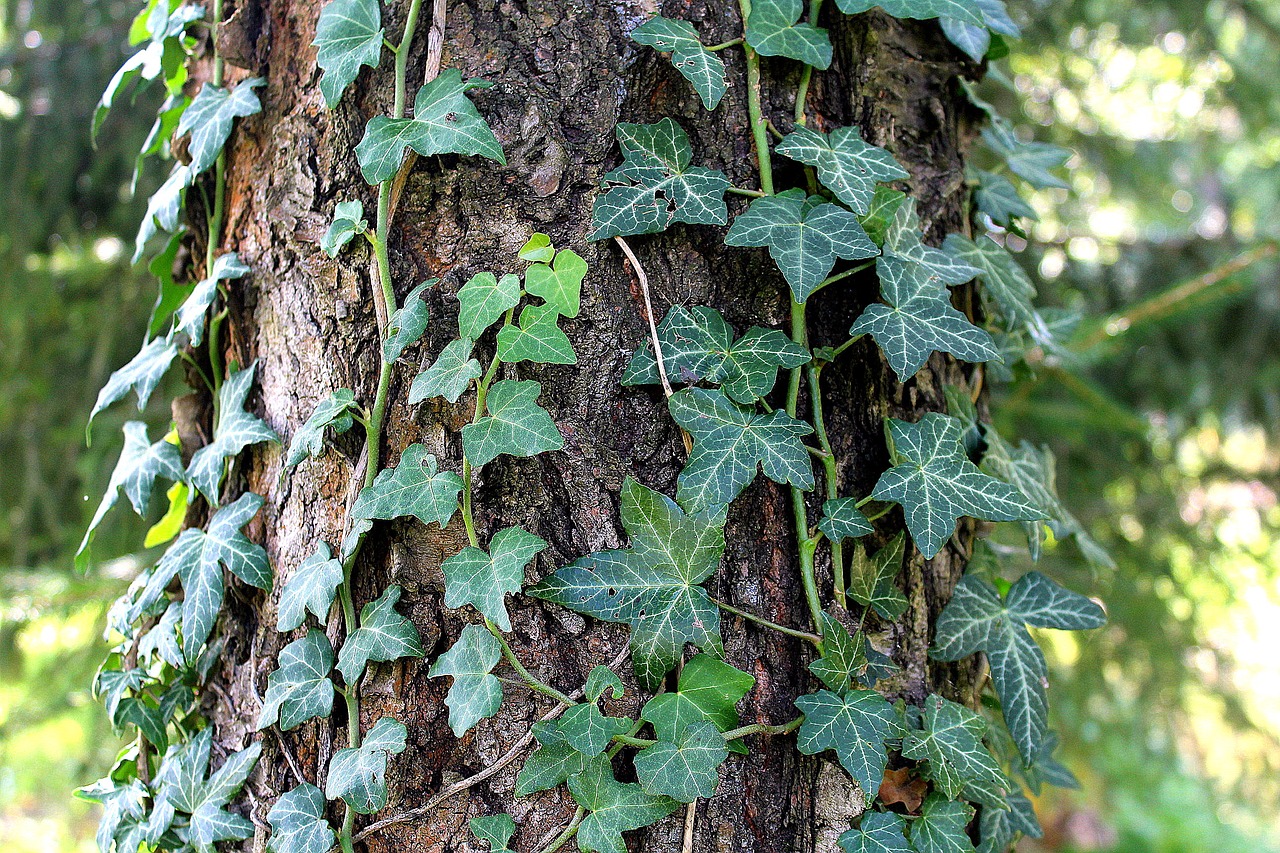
x: 449, y: 376
x: 998, y: 828
x: 843, y: 665
x: 140, y: 464
x: 237, y: 429
x: 879, y: 832
x: 191, y: 315
x: 1031, y: 161
x: 496, y: 829
x: 383, y: 635
x: 312, y: 586
x: 653, y: 586
x: 538, y: 338
x: 841, y: 519
x: 997, y: 197
x: 483, y: 299
x: 951, y: 741
x: 482, y: 580
x: 416, y: 486
x: 163, y: 208
x: 559, y: 283
x: 708, y: 690
x: 656, y: 186
x: 348, y: 216
x: 847, y: 165
x: 686, y: 768
x: 941, y: 827
x: 333, y: 412
x: 903, y: 240
x: 975, y: 39
x: 515, y: 424
x: 871, y: 580
x: 1047, y: 770
x: 855, y: 725
x: 582, y: 727
x: 444, y: 122
x: 298, y: 824
x: 774, y: 30
x: 141, y: 375
x: 359, y: 775
x: 1004, y: 281
x: 959, y: 10
x: 936, y: 483
x: 210, y: 116
x: 349, y: 34
x: 475, y: 693
x: 182, y: 775
x: 300, y: 688
x: 408, y: 322
x: 976, y: 619
x: 804, y: 234
x: 537, y: 249
x: 614, y: 807
x: 699, y: 66
x: 732, y: 442
x: 552, y: 764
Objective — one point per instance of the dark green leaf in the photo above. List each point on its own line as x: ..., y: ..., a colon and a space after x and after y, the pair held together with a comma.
x: 300, y: 688
x: 960, y: 10
x: 879, y: 832
x: 449, y: 376
x: 941, y: 827
x: 190, y: 319
x: 359, y: 776
x: 699, y: 66
x: 855, y: 725
x: 871, y: 580
x: 951, y: 742
x: 996, y: 197
x: 1003, y: 280
x: 903, y: 240
x: 843, y: 665
x: 773, y: 30
x: 497, y: 830
x: 333, y: 412
x: 383, y: 635
x: 686, y: 768
x: 550, y: 765
x: 311, y: 587
x: 708, y: 689
x: 348, y: 35
x: 416, y: 486
x: 997, y: 828
x: 846, y: 165
x: 482, y: 580
x: 614, y: 807
x: 475, y: 693
x: 841, y: 519
x: 515, y: 424
x: 582, y: 727
x: 1031, y: 161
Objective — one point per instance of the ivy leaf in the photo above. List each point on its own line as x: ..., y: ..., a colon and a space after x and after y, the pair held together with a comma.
x: 359, y: 775
x: 656, y: 186
x: 959, y: 10
x: 483, y: 299
x: 348, y: 35
x: 997, y: 828
x: 843, y: 665
x: 140, y: 464
x: 537, y: 249
x: 182, y: 775
x: 1004, y: 281
x: 936, y: 483
x: 163, y: 208
x: 550, y: 765
x: 653, y: 586
x: 731, y: 442
x: 210, y: 116
x: 237, y: 429
x: 1031, y: 161
x: 941, y: 827
x: 1047, y: 770
x: 312, y: 586
x: 847, y: 165
x: 475, y: 693
x: 976, y: 619
x: 333, y: 412
x: 773, y: 30
x: 559, y: 283
x: 408, y: 322
x: 951, y: 741
x: 699, y: 66
x: 871, y: 580
x: 300, y: 688
x: 416, y: 486
x: 615, y: 807
x: 584, y: 728
x: 855, y: 725
x: 708, y: 690
x: 841, y: 519
x: 879, y: 832
x: 482, y: 580
x: 903, y: 240
x: 496, y: 829
x: 449, y: 376
x: 997, y: 197
x: 686, y: 768
x: 444, y: 122
x: 537, y: 338
x: 298, y: 824
x: 141, y: 375
x: 191, y: 314
x: 383, y: 635
x: 975, y: 39
x: 348, y: 216
x: 515, y: 425
x: 804, y: 234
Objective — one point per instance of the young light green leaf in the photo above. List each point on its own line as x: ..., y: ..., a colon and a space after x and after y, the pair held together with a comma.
x: 871, y: 580
x: 482, y: 580
x: 515, y: 424
x: 847, y: 165
x: 1003, y: 280
x: 312, y: 586
x: 537, y: 249
x: 884, y: 207
x: 237, y: 429
x: 359, y: 776
x: 936, y: 483
x: 559, y: 283
x: 475, y: 693
x: 190, y: 320
x: 416, y: 486
x: 708, y: 689
x: 349, y: 34
x: 141, y: 375
x: 997, y: 197
x: 383, y: 635
x: 841, y: 519
x: 348, y: 216
x: 614, y: 807
x: 300, y: 688
x: 298, y: 824
x: 879, y: 832
x: 941, y: 827
x: 903, y: 240
x: 550, y: 765
x: 408, y: 322
x: 699, y: 66
x: 804, y: 234
x: 855, y: 725
x: 686, y: 768
x: 731, y: 443
x: 976, y: 619
x: 445, y: 121
x: 656, y: 186
x: 951, y: 741
x: 653, y: 586
x: 960, y: 10
x: 140, y: 464
x: 449, y: 376
x: 998, y: 828
x: 210, y: 116
x: 483, y: 299
x: 496, y: 829
x: 333, y: 412
x: 774, y: 30
x: 1031, y: 161
x: 538, y: 338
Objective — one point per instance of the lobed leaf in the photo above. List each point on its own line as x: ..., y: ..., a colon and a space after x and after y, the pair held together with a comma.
x: 699, y: 66
x: 558, y: 283
x: 298, y: 824
x: 359, y: 775
x: 613, y: 807
x: 312, y: 586
x: 846, y: 164
x: 773, y: 29
x: 210, y: 117
x: 300, y: 688
x: 515, y: 424
x: 482, y: 580
x: 855, y: 725
x: 333, y: 412
x: 237, y: 429
x: 383, y: 635
x: 416, y: 487
x: 407, y: 323
x: 476, y: 693
x: 483, y: 299
x: 685, y: 767
x: 449, y: 376
x: 349, y: 34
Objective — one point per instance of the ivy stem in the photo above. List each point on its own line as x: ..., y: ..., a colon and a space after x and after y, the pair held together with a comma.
x: 569, y: 832
x: 724, y: 44
x: 829, y: 474
x: 806, y: 74
x: 759, y: 130
x: 530, y: 679
x: 805, y: 545
x: 839, y: 351
x: 746, y: 192
x: 764, y: 729
x: 760, y: 620
x: 482, y: 395
x: 840, y: 276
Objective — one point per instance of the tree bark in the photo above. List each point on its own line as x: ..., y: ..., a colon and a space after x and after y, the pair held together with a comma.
x: 565, y: 73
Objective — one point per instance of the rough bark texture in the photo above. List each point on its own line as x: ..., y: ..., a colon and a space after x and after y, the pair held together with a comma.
x: 565, y: 73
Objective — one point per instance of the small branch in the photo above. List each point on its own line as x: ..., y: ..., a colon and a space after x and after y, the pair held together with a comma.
x: 760, y: 620
x: 763, y: 729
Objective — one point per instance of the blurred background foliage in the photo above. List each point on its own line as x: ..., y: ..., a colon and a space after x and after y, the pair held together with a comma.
x: 1164, y: 412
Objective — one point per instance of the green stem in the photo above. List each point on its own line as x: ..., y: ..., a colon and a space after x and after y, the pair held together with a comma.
x: 829, y: 473
x: 832, y: 279
x: 530, y: 679
x: 839, y: 351
x: 746, y: 192
x: 806, y: 75
x: 482, y: 396
x: 760, y: 620
x: 759, y: 129
x: 724, y: 44
x: 569, y: 832
x: 763, y: 729
x: 631, y: 734
x: 804, y: 543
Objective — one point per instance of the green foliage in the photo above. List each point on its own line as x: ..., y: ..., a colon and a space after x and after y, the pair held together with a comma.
x: 497, y: 830
x: 449, y: 376
x: 237, y: 429
x: 998, y: 828
x: 773, y: 29
x: 333, y: 412
x: 855, y: 725
x: 699, y: 66
x: 841, y: 519
x: 475, y: 693
x: 415, y: 487
x: 708, y: 690
x: 1034, y: 162
x: 879, y: 832
x: 141, y: 463
x: 312, y: 586
x: 871, y: 580
x: 1005, y: 285
x: 383, y: 635
x: 558, y: 283
x: 482, y: 580
x: 190, y: 317
x: 483, y: 299
x: 349, y: 34
x: 846, y: 165
x: 614, y: 807
x: 684, y: 768
x: 538, y: 338
x: 348, y: 216
x: 141, y: 375
x: 941, y: 827
x: 359, y: 775
x: 300, y: 688
x: 951, y: 742
x: 183, y: 781
x: 515, y: 424
x: 408, y: 323
x: 298, y: 824
x: 903, y: 241
x: 210, y: 117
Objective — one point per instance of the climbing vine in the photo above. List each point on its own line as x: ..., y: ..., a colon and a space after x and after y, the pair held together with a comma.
x: 846, y: 219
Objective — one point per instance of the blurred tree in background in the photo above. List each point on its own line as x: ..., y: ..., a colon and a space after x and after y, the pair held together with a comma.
x: 1164, y: 412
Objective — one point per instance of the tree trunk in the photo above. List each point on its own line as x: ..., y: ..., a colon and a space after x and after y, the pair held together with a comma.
x: 565, y: 73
